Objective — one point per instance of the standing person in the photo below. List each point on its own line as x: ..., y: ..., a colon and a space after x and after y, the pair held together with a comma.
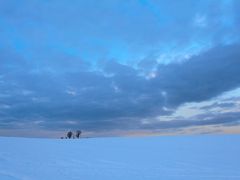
x: 78, y: 133
x: 69, y: 134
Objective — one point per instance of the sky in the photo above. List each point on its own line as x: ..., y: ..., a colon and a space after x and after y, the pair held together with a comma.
x: 115, y: 67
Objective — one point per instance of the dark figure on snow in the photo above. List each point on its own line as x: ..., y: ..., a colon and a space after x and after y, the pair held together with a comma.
x: 78, y: 133
x: 69, y: 134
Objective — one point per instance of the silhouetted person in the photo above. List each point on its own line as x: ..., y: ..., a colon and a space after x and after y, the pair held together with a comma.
x: 69, y: 134
x: 78, y: 133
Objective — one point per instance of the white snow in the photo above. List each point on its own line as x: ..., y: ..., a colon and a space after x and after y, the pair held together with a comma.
x: 202, y: 157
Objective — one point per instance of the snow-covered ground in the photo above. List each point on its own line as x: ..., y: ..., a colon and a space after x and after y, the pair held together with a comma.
x: 150, y: 158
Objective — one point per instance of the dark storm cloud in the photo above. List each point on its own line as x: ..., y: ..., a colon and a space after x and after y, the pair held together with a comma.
x: 202, y: 77
x: 116, y: 97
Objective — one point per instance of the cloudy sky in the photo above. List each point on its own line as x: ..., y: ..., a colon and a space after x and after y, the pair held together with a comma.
x: 115, y: 67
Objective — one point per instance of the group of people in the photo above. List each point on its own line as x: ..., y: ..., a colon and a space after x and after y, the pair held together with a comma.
x: 71, y: 135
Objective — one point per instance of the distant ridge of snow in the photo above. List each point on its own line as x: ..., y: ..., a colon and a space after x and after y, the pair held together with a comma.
x: 204, y: 157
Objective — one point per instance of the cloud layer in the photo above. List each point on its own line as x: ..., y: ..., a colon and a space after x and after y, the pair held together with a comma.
x: 116, y: 65
x: 118, y: 96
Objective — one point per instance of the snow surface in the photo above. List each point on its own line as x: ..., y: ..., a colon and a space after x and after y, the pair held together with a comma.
x: 150, y: 158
